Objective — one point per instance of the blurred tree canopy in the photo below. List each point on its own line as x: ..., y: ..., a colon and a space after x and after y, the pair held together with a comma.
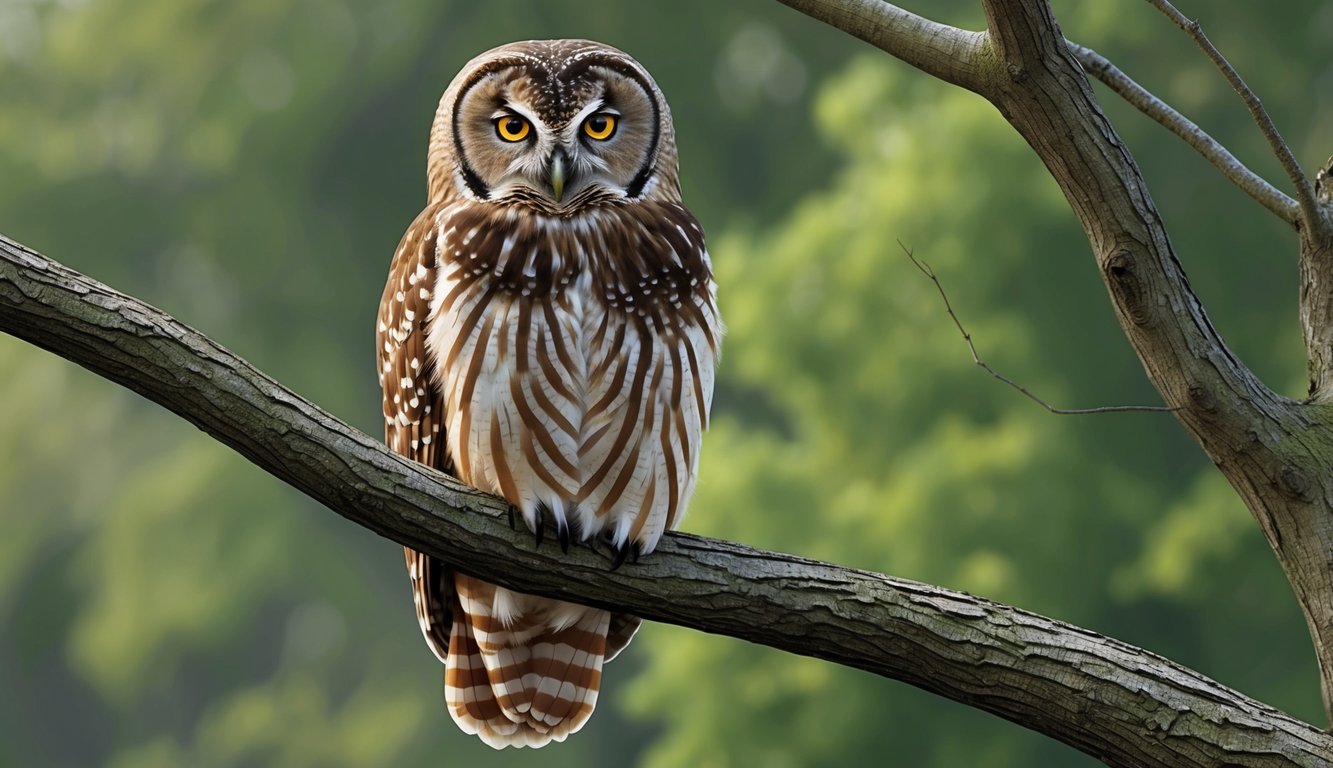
x: 249, y: 167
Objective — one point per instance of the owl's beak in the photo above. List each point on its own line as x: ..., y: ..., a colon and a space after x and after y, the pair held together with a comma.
x: 559, y: 167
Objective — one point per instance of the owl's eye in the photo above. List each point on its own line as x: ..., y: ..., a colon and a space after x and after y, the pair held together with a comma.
x: 512, y: 128
x: 600, y: 126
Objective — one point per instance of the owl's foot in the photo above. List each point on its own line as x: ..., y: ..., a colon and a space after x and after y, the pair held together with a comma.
x: 563, y: 534
x: 619, y: 553
x: 539, y: 523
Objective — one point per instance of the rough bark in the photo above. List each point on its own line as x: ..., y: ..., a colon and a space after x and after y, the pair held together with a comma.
x: 1317, y: 288
x: 1111, y: 700
x: 1274, y: 451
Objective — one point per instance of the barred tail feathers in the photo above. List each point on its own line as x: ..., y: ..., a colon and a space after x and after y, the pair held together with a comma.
x: 522, y: 670
x: 468, y: 694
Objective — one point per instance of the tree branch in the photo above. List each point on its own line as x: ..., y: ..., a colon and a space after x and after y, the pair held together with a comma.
x: 1275, y: 452
x: 1316, y: 269
x: 1269, y: 448
x: 1304, y: 191
x: 954, y: 55
x: 1094, y: 693
x: 1143, y: 100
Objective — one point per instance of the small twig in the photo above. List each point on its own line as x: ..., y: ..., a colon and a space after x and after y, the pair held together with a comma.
x: 967, y: 337
x: 1304, y: 190
x: 1143, y: 100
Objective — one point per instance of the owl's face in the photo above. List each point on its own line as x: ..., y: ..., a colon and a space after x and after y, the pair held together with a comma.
x: 556, y: 125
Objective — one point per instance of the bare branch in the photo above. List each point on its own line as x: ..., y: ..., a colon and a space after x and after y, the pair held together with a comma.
x: 951, y: 54
x: 1270, y: 448
x: 1094, y: 693
x: 1304, y: 190
x: 967, y: 337
x: 1141, y: 99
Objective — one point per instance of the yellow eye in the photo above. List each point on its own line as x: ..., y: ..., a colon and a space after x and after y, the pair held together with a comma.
x: 512, y: 128
x: 600, y: 126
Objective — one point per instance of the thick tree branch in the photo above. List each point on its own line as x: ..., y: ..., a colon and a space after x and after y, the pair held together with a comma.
x: 954, y: 55
x: 1317, y: 291
x: 1316, y: 229
x: 1275, y: 452
x: 957, y: 56
x: 1092, y: 692
x: 1143, y: 100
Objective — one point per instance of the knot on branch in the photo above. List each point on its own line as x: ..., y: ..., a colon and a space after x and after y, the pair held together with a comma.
x: 1202, y: 399
x: 1294, y: 484
x: 1123, y: 280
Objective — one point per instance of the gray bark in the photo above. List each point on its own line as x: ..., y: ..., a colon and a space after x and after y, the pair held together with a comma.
x: 1273, y: 450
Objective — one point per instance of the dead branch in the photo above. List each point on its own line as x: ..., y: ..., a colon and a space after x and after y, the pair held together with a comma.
x: 967, y: 337
x: 1143, y: 100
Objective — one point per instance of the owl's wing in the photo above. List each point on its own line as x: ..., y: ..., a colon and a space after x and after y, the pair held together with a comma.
x: 413, y: 410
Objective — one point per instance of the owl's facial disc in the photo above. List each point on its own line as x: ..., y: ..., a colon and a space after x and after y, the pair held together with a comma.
x: 557, y: 137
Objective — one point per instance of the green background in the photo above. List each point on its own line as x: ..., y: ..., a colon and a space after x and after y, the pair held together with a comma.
x: 248, y: 165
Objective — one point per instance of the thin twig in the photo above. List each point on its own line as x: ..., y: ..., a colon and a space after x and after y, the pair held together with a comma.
x: 967, y: 337
x: 1143, y: 100
x: 1304, y: 190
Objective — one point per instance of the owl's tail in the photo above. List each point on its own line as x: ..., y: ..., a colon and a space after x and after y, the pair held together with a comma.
x: 523, y: 671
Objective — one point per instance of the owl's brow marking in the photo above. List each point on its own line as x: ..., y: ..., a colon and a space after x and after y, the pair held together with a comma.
x: 598, y: 105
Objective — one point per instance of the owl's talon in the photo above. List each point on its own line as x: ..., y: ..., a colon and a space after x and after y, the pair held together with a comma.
x: 540, y: 528
x: 635, y: 551
x: 618, y: 555
x: 563, y: 534
x: 513, y: 524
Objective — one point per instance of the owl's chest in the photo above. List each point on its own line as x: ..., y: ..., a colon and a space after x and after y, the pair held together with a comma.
x: 515, y: 281
x: 516, y: 305
x: 574, y: 364
x: 522, y: 341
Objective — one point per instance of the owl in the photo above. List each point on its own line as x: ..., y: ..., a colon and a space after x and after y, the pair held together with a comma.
x: 549, y: 333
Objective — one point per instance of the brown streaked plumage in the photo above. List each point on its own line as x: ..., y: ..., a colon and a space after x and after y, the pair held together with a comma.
x: 548, y: 333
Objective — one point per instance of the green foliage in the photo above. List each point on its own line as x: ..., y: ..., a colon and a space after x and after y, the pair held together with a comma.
x: 249, y: 167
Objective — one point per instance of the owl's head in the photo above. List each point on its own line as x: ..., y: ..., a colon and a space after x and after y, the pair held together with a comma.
x: 554, y: 124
